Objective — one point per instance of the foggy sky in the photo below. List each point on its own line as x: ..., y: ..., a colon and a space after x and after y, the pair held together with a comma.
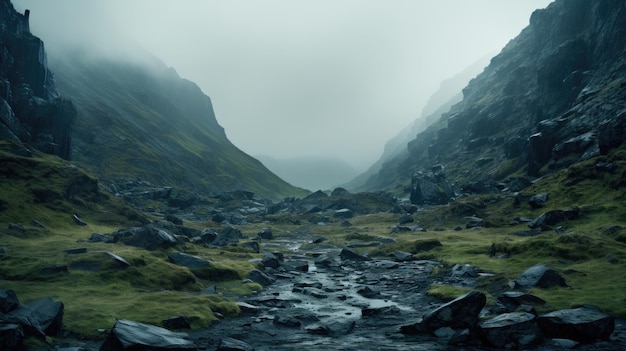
x: 291, y: 78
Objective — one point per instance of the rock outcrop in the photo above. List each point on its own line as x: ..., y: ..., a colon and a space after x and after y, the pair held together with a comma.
x: 31, y: 110
x: 553, y: 96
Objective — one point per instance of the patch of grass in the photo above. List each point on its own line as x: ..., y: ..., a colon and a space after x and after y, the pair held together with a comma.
x: 446, y: 292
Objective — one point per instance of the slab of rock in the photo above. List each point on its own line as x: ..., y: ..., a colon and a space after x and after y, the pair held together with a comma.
x: 135, y: 336
x: 227, y: 236
x: 460, y: 313
x: 351, y: 255
x: 539, y: 200
x: 546, y: 220
x: 189, y: 261
x: 259, y: 277
x: 540, y: 276
x: 147, y: 237
x: 38, y: 318
x: 584, y: 324
x: 512, y: 330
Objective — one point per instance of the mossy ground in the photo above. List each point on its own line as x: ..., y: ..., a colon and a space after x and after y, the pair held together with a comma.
x: 49, y: 190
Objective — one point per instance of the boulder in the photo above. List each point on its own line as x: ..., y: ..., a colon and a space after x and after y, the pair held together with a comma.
x: 189, y: 261
x: 207, y: 236
x: 460, y: 313
x: 38, y: 318
x: 135, y: 336
x: 8, y: 301
x: 265, y: 234
x: 465, y: 270
x: 147, y: 237
x: 259, y: 277
x: 540, y: 276
x: 425, y: 245
x: 227, y: 236
x: 99, y: 238
x: 546, y: 220
x: 401, y: 256
x: 406, y: 218
x: 512, y: 330
x: 539, y: 200
x: 351, y: 255
x: 431, y: 188
x: 270, y: 260
x: 252, y: 246
x: 584, y: 324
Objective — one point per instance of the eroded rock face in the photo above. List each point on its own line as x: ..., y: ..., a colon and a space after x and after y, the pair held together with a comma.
x: 30, y: 110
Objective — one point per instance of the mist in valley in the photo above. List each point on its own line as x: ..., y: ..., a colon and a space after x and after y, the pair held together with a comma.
x: 323, y: 79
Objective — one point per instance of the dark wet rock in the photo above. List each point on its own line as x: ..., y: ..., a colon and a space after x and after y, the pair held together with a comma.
x: 189, y: 261
x: 265, y: 234
x: 612, y: 230
x: 425, y: 245
x: 540, y: 276
x: 318, y: 240
x: 314, y: 292
x: 346, y: 223
x: 38, y: 318
x: 3, y: 250
x: 431, y: 187
x: 465, y: 270
x: 512, y: 330
x: 332, y: 328
x: 326, y: 260
x: 401, y: 256
x: 546, y: 220
x: 93, y: 262
x: 230, y: 344
x: 368, y: 291
x: 460, y: 337
x: 287, y: 321
x: 339, y: 191
x: 227, y: 236
x: 11, y: 336
x: 207, y: 236
x: 270, y: 260
x: 538, y: 201
x: 78, y: 220
x: 148, y: 237
x: 350, y: 255
x: 584, y: 324
x: 173, y: 219
x: 459, y: 313
x: 245, y: 307
x: 406, y: 218
x: 8, y: 301
x: 297, y: 265
x: 16, y: 226
x: 474, y: 222
x: 178, y: 322
x: 378, y: 311
x: 252, y: 246
x: 260, y: 277
x: 99, y: 238
x: 135, y: 336
x: 218, y: 218
x: 52, y: 269
x: 512, y: 300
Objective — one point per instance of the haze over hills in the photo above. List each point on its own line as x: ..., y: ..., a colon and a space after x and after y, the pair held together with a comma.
x: 139, y: 119
x: 312, y: 173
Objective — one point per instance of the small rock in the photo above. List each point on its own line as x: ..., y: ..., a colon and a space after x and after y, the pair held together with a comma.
x: 78, y: 220
x: 129, y: 335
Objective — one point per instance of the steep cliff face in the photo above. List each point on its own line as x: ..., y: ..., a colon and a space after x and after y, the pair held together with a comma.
x: 30, y: 108
x: 555, y: 95
x: 141, y: 120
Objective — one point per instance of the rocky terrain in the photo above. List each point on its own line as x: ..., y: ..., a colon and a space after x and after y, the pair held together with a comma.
x: 502, y: 227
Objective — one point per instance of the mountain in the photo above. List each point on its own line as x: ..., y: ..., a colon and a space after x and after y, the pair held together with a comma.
x: 313, y: 173
x: 552, y: 97
x: 139, y: 119
x: 448, y: 94
x: 30, y: 108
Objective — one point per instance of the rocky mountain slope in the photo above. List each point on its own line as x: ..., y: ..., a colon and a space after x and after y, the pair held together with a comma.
x: 555, y: 95
x: 30, y: 108
x: 448, y: 94
x: 141, y: 120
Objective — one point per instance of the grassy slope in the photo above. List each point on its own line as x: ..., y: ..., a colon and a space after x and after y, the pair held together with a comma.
x: 149, y: 123
x: 150, y: 290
